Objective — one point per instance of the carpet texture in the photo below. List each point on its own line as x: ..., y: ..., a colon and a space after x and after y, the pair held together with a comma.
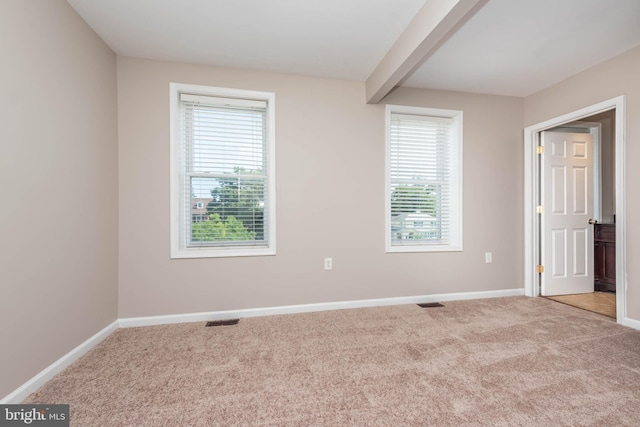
x: 496, y: 362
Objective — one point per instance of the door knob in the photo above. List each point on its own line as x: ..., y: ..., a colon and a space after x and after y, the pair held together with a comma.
x: 593, y: 221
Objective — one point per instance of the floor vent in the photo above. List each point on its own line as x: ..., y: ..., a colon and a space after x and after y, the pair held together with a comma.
x: 227, y: 322
x: 430, y: 304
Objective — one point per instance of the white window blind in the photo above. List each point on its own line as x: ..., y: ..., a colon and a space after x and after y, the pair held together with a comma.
x: 223, y: 176
x: 423, y: 169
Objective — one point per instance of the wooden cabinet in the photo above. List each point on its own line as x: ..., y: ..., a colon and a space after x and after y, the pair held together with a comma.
x: 605, y: 257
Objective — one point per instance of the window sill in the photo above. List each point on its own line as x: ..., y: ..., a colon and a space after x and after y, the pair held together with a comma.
x: 220, y: 252
x: 424, y: 248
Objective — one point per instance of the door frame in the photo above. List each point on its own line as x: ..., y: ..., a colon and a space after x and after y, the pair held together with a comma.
x: 531, y: 186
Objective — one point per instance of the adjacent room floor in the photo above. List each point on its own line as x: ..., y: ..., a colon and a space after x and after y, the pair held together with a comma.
x: 596, y: 302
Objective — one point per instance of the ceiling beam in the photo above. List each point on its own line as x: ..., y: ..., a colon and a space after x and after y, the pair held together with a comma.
x: 434, y: 23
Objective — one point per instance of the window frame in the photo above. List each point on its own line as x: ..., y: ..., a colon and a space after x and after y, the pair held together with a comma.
x: 455, y: 242
x: 178, y: 245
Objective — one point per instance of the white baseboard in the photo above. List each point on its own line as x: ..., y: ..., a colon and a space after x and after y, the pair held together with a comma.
x: 635, y: 324
x: 22, y: 392
x: 306, y: 308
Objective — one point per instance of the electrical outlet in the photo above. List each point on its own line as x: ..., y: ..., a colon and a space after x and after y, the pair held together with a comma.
x: 328, y: 263
x: 488, y: 258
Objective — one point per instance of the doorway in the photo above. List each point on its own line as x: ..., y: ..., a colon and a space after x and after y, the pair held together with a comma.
x: 574, y: 243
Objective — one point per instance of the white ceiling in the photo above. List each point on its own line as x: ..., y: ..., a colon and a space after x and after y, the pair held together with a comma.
x: 327, y: 38
x: 518, y: 47
x: 509, y: 47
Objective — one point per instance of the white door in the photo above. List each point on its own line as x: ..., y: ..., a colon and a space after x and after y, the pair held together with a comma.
x: 567, y: 246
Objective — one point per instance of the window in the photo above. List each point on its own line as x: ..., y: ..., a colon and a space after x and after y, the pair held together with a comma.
x: 222, y: 172
x: 423, y: 179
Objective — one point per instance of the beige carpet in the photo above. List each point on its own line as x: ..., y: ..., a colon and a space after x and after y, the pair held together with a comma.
x: 500, y: 362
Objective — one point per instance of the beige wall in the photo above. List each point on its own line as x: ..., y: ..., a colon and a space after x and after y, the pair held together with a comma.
x: 58, y: 180
x: 330, y: 198
x: 607, y: 163
x: 618, y: 76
